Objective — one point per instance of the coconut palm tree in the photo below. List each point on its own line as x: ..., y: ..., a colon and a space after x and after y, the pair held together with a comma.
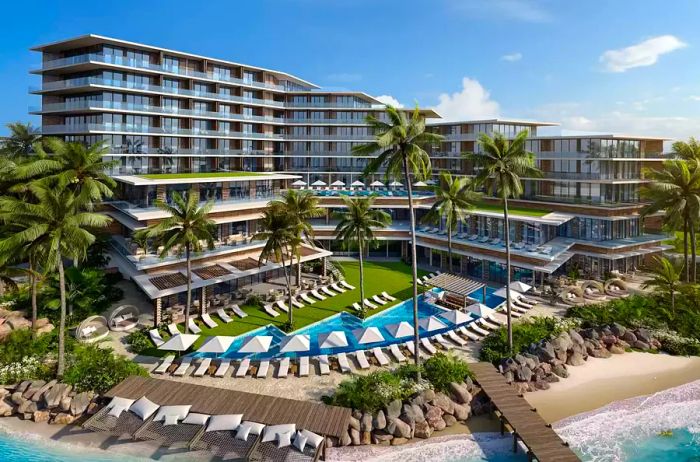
x: 7, y: 274
x: 57, y: 218
x: 675, y: 189
x: 21, y: 140
x: 301, y: 207
x: 280, y: 233
x: 399, y: 148
x: 686, y: 150
x: 187, y: 228
x: 500, y: 166
x: 665, y: 277
x: 454, y: 198
x: 357, y: 226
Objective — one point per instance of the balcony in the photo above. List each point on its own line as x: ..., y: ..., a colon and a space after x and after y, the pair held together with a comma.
x: 326, y: 121
x: 328, y: 104
x: 146, y: 129
x: 295, y: 136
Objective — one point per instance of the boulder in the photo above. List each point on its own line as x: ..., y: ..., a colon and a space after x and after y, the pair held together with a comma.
x: 393, y: 409
x: 520, y: 388
x: 6, y: 409
x: 643, y: 334
x: 428, y: 395
x: 523, y: 374
x: 407, y: 415
x: 575, y: 337
x: 433, y: 415
x: 366, y: 422
x: 41, y: 322
x: 18, y: 322
x: 65, y: 403
x: 80, y: 403
x: 444, y: 403
x: 509, y: 376
x: 509, y: 364
x: 381, y: 437
x: 33, y: 388
x: 423, y: 430
x: 640, y: 345
x: 461, y: 412
x: 550, y: 378
x: 418, y: 400
x: 600, y: 353
x: 545, y: 351
x: 379, y: 421
x: 5, y: 331
x: 45, y: 329
x: 418, y: 415
x: 439, y: 424
x: 562, y: 342
x: 17, y: 398
x: 399, y: 441
x: 616, y: 349
x: 63, y: 418
x: 53, y: 397
x: 354, y: 423
x: 22, y: 387
x: 41, y: 416
x: 460, y: 393
x: 40, y: 392
x: 449, y: 420
x: 354, y: 437
x: 609, y: 340
x: 399, y: 428
x: 365, y: 438
x: 27, y: 407
x: 541, y: 385
x: 92, y: 409
x: 618, y: 329
x: 356, y: 413
x: 622, y: 344
x: 574, y: 359
x: 560, y: 370
x: 533, y: 360
x: 629, y: 336
x: 345, y: 439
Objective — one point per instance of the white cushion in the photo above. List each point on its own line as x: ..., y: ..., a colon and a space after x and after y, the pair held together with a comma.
x: 255, y: 427
x: 270, y: 433
x: 300, y: 441
x: 284, y: 439
x: 224, y: 422
x: 312, y: 438
x: 170, y: 419
x: 243, y: 432
x: 123, y: 403
x: 180, y: 411
x: 144, y: 408
x: 116, y: 411
x: 196, y: 419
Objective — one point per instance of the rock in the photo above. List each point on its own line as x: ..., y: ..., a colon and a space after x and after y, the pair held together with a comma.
x: 45, y: 329
x: 41, y: 322
x: 407, y: 415
x: 629, y: 336
x: 509, y: 364
x: 600, y: 353
x: 354, y: 437
x: 423, y: 430
x: 80, y: 403
x: 444, y: 403
x: 509, y: 376
x: 418, y: 415
x: 5, y: 331
x: 399, y: 441
x: 428, y: 395
x: 439, y: 424
x: 345, y: 439
x: 40, y: 392
x: 460, y: 393
x: 399, y: 428
x: 365, y: 438
x: 41, y: 416
x: 22, y: 387
x: 356, y: 413
x: 574, y: 359
x: 27, y: 407
x: 461, y: 412
x: 433, y: 415
x: 18, y: 322
x: 449, y: 420
x: 575, y: 337
x: 523, y: 374
x: 6, y: 409
x: 643, y: 334
x: 65, y: 403
x: 379, y: 421
x: 616, y: 349
x: 53, y: 397
x: 33, y: 388
x: 366, y: 422
x: 562, y: 342
x: 560, y: 370
x: 545, y: 351
x: 618, y: 329
x: 550, y: 378
x: 541, y: 385
x: 469, y: 384
x: 640, y: 345
x: 533, y: 361
x: 17, y: 398
x: 622, y: 344
x: 92, y: 408
x: 589, y: 334
x: 354, y: 423
x: 609, y: 340
x: 393, y: 410
x: 381, y: 437
x: 520, y: 388
x: 418, y: 401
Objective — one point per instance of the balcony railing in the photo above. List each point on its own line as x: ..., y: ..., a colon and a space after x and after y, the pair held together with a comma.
x: 130, y: 128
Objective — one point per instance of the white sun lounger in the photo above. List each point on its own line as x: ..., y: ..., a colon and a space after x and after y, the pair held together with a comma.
x: 456, y: 338
x: 469, y: 334
x: 441, y: 340
x: 194, y: 328
x: 164, y: 365
x: 346, y: 285
x: 491, y: 317
x: 324, y: 365
x: 328, y: 292
x: 156, y: 338
x: 243, y: 368
x: 304, y: 366
x: 223, y: 316
x: 283, y: 369
x: 344, y: 363
x: 518, y: 308
x: 269, y: 310
x: 262, y: 369
x: 357, y: 306
x: 172, y: 329
x: 361, y: 359
x: 337, y: 288
x: 282, y: 306
x: 297, y: 304
x: 307, y: 299
x: 223, y: 368
x: 411, y: 348
x: 419, y: 282
x: 425, y: 279
x: 388, y: 297
x: 182, y: 368
x: 317, y: 295
x: 238, y: 311
x: 379, y: 300
x: 428, y: 346
x: 203, y: 367
x: 381, y: 357
x: 396, y: 353
x: 370, y: 304
x: 482, y: 322
x: 514, y: 313
x: 206, y: 319
x: 473, y: 326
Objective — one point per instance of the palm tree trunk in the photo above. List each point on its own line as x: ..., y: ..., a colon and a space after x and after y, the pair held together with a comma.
x: 62, y: 323
x: 685, y: 249
x: 673, y: 301
x: 362, y: 276
x: 34, y: 304
x: 693, y: 257
x: 188, y: 304
x: 449, y: 248
x: 508, y: 305
x: 414, y: 267
x: 288, y: 280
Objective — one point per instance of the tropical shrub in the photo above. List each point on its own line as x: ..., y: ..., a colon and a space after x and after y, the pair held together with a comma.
x: 98, y: 369
x: 676, y: 345
x: 371, y: 392
x: 139, y: 341
x: 254, y: 300
x: 20, y: 344
x: 494, y: 347
x: 441, y: 369
x: 27, y: 368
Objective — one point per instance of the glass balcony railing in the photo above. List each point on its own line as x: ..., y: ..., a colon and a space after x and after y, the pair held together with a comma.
x: 131, y: 128
x: 326, y: 121
x: 294, y: 136
x: 328, y: 104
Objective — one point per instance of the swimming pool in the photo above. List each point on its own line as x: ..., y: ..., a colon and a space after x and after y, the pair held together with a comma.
x: 346, y: 322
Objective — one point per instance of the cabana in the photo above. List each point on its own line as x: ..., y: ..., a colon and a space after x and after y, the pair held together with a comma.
x: 572, y: 295
x: 123, y: 318
x: 92, y: 329
x: 458, y: 289
x: 593, y: 290
x: 616, y: 287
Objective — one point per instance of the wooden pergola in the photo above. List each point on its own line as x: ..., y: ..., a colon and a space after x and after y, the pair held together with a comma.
x: 457, y: 285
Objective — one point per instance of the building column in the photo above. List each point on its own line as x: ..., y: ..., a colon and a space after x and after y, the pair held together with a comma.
x: 485, y: 269
x: 324, y: 266
x: 160, y: 192
x: 157, y: 311
x: 225, y: 191
x: 203, y: 301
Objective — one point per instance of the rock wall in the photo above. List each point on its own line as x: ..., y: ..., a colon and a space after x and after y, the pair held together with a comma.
x: 16, y: 320
x: 40, y: 401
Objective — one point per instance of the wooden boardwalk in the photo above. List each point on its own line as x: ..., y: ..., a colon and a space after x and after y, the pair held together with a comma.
x: 542, y: 442
x: 269, y: 410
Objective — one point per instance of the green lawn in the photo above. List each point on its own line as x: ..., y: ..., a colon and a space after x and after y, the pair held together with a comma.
x: 484, y: 207
x: 177, y: 176
x: 392, y: 277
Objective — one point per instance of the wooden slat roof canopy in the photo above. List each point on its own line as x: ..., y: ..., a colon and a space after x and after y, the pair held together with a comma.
x: 543, y: 442
x: 269, y: 410
x: 455, y: 284
x: 210, y: 272
x: 245, y: 264
x: 168, y: 281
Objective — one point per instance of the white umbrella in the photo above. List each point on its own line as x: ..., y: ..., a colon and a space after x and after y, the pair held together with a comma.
x: 419, y: 184
x: 430, y: 182
x: 318, y: 183
x: 377, y: 183
x: 218, y: 344
x: 180, y: 342
x: 256, y: 344
x: 367, y: 335
x: 335, y: 339
x: 337, y: 183
x: 395, y: 183
x: 456, y: 317
x: 357, y: 183
x: 431, y: 323
x: 520, y: 286
x: 402, y: 329
x: 299, y: 183
x: 299, y: 342
x: 480, y: 309
x: 502, y: 293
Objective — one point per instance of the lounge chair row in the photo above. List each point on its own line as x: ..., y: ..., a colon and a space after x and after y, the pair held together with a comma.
x: 225, y: 435
x: 206, y: 318
x: 376, y: 300
x: 310, y: 297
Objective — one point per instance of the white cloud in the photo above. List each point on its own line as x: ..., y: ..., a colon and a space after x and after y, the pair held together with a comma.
x: 472, y: 102
x: 517, y: 10
x: 512, y: 57
x: 694, y: 97
x: 389, y: 101
x: 645, y: 53
x: 344, y: 77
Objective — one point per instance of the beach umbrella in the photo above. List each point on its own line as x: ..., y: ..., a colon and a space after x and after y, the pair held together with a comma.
x: 335, y: 339
x: 218, y: 344
x: 480, y: 309
x: 502, y: 293
x: 401, y: 329
x: 395, y: 183
x: 420, y: 184
x: 337, y: 183
x: 520, y: 286
x: 299, y: 183
x: 456, y: 316
x: 179, y: 343
x: 256, y: 344
x: 431, y: 323
x: 299, y: 342
x: 367, y: 335
x: 377, y: 183
x: 318, y: 183
x: 357, y: 183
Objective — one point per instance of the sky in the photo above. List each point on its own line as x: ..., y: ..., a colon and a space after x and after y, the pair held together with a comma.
x: 595, y: 66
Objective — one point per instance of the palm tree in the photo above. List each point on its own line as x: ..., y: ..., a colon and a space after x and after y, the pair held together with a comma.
x: 399, y: 147
x: 454, y: 198
x: 57, y: 218
x: 21, y: 141
x: 675, y: 189
x: 500, y: 165
x: 356, y: 227
x: 280, y: 233
x: 301, y: 207
x: 7, y: 274
x: 686, y: 150
x: 666, y: 277
x: 186, y: 227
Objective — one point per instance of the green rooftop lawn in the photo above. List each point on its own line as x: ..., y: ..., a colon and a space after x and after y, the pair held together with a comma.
x: 392, y: 277
x: 484, y: 207
x: 176, y: 176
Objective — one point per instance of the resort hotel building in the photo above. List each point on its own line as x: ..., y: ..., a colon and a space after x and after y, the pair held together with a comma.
x: 240, y: 135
